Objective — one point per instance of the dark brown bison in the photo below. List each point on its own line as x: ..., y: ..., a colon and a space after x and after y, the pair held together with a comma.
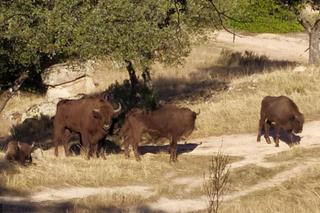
x: 20, y: 152
x: 168, y: 121
x: 281, y: 111
x: 89, y: 116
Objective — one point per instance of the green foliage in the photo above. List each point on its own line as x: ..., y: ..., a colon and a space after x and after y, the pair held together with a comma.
x: 35, y: 34
x: 146, y: 98
x: 264, y: 16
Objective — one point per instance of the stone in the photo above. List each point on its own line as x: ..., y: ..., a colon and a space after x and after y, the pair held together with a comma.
x: 66, y: 72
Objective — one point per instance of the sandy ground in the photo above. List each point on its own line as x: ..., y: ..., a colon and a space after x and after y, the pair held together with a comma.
x: 291, y: 47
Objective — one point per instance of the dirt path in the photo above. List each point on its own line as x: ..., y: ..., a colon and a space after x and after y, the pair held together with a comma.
x: 200, y: 203
x: 49, y: 194
x: 291, y: 47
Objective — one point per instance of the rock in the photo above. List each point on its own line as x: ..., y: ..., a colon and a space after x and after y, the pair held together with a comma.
x: 68, y: 80
x: 45, y: 108
x: 66, y: 72
x: 71, y: 90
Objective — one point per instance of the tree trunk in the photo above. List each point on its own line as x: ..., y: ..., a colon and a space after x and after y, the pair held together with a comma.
x: 133, y: 79
x: 147, y: 78
x: 7, y: 95
x: 314, y: 44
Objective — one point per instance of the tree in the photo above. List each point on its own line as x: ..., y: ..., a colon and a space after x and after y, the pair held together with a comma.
x: 308, y: 14
x: 36, y: 34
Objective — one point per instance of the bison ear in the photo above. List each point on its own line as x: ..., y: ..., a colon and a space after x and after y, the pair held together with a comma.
x: 96, y: 114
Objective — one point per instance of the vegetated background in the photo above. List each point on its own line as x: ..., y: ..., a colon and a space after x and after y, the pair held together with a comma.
x: 263, y: 16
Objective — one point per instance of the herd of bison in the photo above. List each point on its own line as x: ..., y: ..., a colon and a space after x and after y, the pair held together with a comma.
x: 92, y: 117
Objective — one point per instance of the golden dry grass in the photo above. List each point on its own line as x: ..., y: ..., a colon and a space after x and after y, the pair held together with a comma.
x: 295, y: 154
x: 300, y: 194
x: 49, y: 171
x: 237, y: 110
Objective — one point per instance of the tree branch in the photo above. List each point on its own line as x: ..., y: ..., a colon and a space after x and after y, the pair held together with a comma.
x: 7, y: 95
x: 221, y: 15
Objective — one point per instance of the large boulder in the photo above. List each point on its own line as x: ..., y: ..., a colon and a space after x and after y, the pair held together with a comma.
x: 68, y: 80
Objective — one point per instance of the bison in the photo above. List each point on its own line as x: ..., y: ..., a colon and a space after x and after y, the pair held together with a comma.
x: 20, y: 152
x: 281, y: 111
x: 168, y: 121
x: 90, y: 116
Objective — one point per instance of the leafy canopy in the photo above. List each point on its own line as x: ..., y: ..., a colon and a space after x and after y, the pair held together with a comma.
x: 35, y: 34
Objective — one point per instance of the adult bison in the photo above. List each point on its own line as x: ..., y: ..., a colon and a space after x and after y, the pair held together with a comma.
x: 283, y: 112
x: 20, y: 152
x: 90, y: 116
x: 168, y: 121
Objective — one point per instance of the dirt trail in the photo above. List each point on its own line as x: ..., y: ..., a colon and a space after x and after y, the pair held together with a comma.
x: 186, y: 205
x: 49, y: 194
x: 291, y: 47
x: 244, y: 145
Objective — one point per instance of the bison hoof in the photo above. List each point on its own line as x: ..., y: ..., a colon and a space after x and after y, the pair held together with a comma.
x: 277, y: 145
x: 138, y: 159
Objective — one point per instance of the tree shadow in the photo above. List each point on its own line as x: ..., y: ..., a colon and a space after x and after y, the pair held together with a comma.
x: 170, y: 89
x: 37, y: 129
x: 155, y: 149
x: 235, y: 64
x: 69, y: 206
x: 206, y: 81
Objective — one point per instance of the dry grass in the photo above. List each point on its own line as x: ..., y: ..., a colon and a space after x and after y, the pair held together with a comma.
x: 115, y: 171
x: 300, y: 194
x: 252, y: 174
x: 237, y: 111
x: 295, y: 154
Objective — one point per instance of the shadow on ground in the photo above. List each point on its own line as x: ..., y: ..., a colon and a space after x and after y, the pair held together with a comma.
x: 65, y: 207
x: 235, y: 64
x: 206, y: 81
x: 285, y: 137
x: 181, y: 148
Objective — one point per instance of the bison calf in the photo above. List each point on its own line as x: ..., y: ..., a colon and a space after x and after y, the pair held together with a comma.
x: 283, y: 112
x: 20, y: 152
x: 169, y: 121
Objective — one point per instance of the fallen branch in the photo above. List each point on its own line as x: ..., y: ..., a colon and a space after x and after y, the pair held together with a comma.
x: 8, y: 94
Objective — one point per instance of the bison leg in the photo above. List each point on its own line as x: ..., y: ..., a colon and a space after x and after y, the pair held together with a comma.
x: 261, y: 122
x: 277, y: 136
x: 266, y: 132
x: 173, y: 150
x: 136, y: 152
x: 66, y: 139
x: 126, y: 144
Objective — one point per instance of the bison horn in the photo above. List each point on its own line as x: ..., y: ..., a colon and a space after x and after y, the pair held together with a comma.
x: 117, y: 110
x: 198, y: 113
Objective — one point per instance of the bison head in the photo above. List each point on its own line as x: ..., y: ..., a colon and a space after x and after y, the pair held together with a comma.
x: 25, y: 150
x: 297, y: 123
x: 104, y: 116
